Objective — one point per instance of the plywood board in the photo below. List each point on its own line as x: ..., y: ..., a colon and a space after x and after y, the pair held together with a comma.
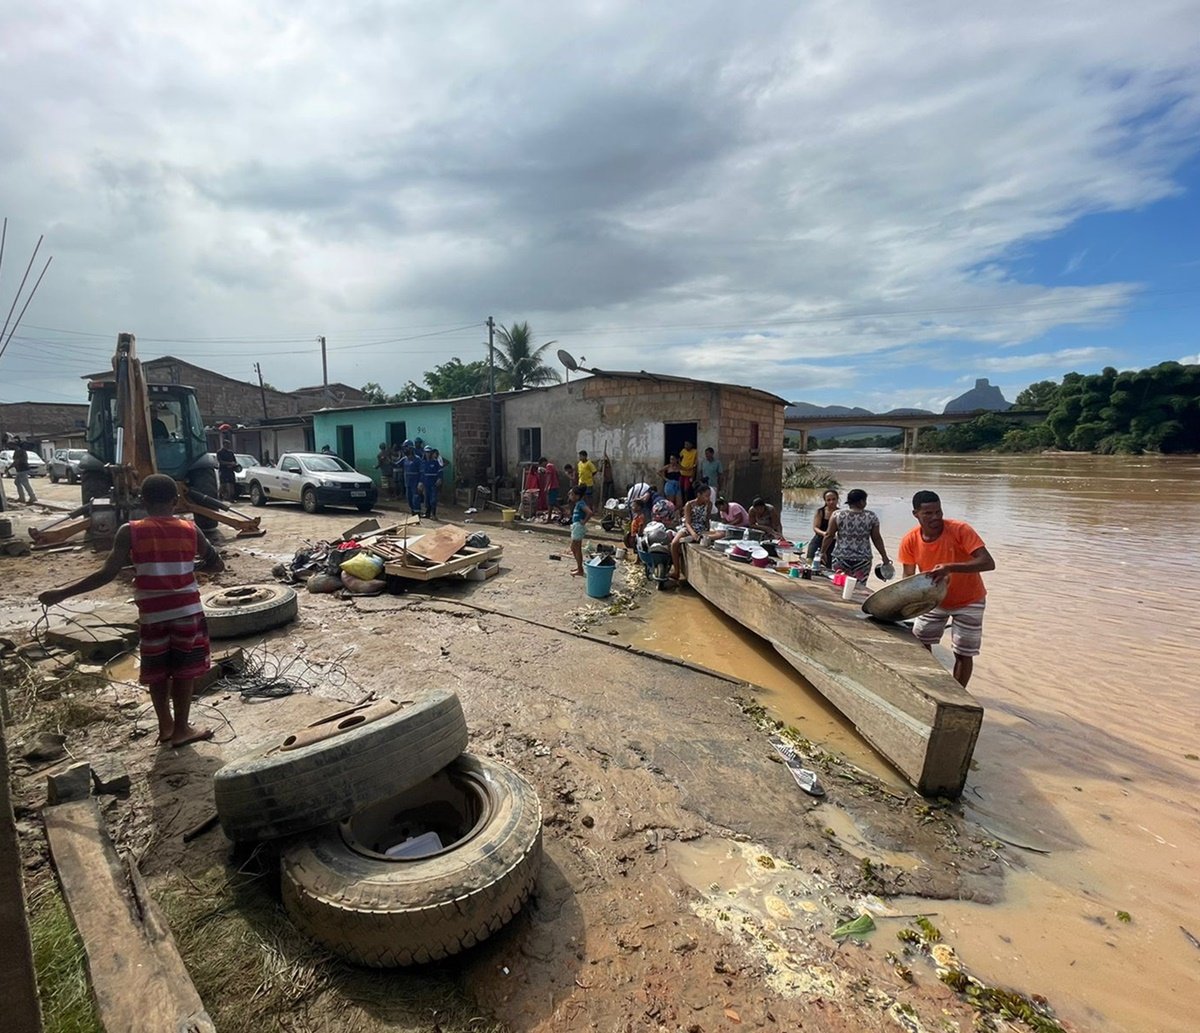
x: 438, y: 546
x: 465, y: 559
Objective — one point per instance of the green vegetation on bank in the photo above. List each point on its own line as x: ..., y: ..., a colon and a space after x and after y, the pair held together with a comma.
x: 808, y: 475
x: 1110, y: 412
x: 861, y: 441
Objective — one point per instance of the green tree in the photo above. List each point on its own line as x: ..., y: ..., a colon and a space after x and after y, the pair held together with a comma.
x: 518, y: 363
x: 413, y: 392
x: 376, y: 395
x: 457, y: 379
x: 1040, y: 396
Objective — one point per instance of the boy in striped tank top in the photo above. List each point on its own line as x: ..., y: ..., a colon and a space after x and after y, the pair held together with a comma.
x: 172, y: 630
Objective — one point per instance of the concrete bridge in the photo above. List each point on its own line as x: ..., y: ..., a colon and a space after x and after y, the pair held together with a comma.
x: 908, y: 423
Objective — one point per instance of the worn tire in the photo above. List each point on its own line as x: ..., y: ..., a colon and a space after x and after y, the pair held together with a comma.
x: 308, y: 499
x: 258, y: 497
x: 72, y: 477
x: 248, y: 609
x: 274, y: 792
x: 386, y: 912
x: 54, y: 478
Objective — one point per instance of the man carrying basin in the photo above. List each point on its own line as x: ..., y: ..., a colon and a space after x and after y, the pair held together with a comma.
x: 949, y: 549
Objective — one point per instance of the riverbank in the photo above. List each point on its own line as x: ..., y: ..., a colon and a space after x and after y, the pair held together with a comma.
x: 687, y: 883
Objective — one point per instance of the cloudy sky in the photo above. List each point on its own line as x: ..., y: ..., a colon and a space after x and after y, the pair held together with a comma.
x: 841, y: 201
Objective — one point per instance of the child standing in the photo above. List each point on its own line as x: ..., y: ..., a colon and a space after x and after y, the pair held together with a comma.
x: 172, y: 631
x: 581, y: 513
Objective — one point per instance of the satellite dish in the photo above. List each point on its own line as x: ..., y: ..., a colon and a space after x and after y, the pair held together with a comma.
x: 567, y: 359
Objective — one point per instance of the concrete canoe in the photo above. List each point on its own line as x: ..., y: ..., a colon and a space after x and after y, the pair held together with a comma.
x: 896, y: 694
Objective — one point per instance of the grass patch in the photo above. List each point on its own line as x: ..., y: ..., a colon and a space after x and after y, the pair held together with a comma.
x: 257, y: 974
x: 59, y: 963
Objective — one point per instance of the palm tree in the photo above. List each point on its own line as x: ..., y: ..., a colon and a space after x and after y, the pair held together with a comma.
x: 518, y: 364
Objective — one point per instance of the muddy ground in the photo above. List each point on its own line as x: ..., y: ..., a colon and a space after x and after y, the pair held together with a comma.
x: 687, y: 884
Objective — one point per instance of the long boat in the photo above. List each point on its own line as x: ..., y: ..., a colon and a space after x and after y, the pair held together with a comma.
x: 893, y: 690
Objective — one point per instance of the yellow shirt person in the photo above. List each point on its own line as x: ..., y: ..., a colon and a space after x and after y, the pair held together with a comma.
x: 585, y: 472
x: 687, y: 466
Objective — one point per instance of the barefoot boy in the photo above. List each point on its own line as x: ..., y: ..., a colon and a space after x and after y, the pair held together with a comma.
x: 172, y: 630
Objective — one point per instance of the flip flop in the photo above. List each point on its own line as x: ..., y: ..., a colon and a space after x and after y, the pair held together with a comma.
x: 203, y: 736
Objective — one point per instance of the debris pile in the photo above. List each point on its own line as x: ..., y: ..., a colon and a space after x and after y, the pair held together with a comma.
x: 368, y: 559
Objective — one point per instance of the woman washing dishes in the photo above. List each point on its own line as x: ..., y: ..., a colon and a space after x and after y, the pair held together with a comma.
x: 821, y: 518
x: 846, y: 545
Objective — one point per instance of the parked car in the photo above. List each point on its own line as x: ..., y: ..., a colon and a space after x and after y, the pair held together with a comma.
x: 37, y: 465
x: 313, y: 479
x: 64, y: 464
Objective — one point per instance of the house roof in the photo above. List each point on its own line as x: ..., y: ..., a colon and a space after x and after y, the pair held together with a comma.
x: 336, y: 385
x: 164, y: 359
x: 409, y: 405
x: 665, y: 378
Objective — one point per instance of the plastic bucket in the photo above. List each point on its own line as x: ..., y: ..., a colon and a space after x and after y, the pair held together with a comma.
x: 508, y: 515
x: 599, y: 580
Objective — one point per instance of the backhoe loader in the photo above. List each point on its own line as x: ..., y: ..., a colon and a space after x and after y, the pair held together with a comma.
x: 136, y: 429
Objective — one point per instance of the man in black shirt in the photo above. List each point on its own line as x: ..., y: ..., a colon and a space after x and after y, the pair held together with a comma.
x: 21, y: 473
x: 227, y: 472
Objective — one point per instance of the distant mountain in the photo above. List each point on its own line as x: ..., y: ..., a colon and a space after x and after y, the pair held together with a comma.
x: 808, y: 409
x: 982, y: 396
x: 846, y: 431
x: 909, y: 412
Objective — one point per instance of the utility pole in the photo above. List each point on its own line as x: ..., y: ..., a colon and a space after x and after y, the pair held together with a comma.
x: 491, y: 325
x: 262, y: 390
x: 324, y: 369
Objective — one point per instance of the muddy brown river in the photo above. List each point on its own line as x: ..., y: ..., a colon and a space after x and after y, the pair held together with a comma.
x: 1090, y: 749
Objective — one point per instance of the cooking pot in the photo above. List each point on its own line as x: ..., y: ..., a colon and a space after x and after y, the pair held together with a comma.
x: 908, y: 597
x: 760, y: 558
x: 740, y: 552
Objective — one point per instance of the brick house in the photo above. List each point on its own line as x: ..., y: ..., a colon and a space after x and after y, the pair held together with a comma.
x: 640, y: 418
x: 53, y: 424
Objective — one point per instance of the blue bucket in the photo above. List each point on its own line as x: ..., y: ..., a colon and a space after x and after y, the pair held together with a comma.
x: 599, y: 579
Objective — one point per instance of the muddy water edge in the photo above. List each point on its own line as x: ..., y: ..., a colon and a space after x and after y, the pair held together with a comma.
x: 1088, y: 765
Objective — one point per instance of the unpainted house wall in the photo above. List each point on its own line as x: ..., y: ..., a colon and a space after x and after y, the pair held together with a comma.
x: 626, y: 416
x: 748, y: 473
x: 220, y: 398
x: 623, y: 415
x: 48, y: 420
x: 472, y: 436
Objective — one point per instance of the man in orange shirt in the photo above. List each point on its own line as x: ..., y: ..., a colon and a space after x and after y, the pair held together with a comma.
x: 949, y: 549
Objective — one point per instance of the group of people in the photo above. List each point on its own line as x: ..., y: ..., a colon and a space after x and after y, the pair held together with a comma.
x: 414, y: 471
x: 945, y: 549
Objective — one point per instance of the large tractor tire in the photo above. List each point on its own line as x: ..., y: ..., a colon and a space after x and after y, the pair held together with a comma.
x: 342, y: 888
x: 248, y: 609
x: 205, y: 482
x: 328, y: 770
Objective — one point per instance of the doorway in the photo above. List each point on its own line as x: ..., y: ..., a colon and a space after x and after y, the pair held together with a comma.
x: 345, y: 443
x: 397, y: 433
x: 674, y: 435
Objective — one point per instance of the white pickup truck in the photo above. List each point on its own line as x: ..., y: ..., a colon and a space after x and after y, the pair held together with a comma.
x: 314, y: 479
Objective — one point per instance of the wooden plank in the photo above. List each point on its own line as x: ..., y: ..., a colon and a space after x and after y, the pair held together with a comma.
x: 901, y: 700
x: 138, y: 978
x: 438, y: 546
x: 465, y: 559
x: 18, y: 985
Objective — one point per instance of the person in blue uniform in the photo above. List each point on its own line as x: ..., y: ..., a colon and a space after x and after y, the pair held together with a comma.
x: 431, y: 478
x: 411, y: 467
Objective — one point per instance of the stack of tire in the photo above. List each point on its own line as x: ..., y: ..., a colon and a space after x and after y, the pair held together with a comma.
x: 396, y: 846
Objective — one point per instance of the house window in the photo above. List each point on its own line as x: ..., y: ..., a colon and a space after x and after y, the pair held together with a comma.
x: 529, y: 444
x: 754, y: 439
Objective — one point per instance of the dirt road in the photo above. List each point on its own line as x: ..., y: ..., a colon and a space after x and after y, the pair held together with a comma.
x: 688, y: 885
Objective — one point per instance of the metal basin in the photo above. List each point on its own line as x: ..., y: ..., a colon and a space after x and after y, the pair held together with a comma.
x: 908, y: 597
